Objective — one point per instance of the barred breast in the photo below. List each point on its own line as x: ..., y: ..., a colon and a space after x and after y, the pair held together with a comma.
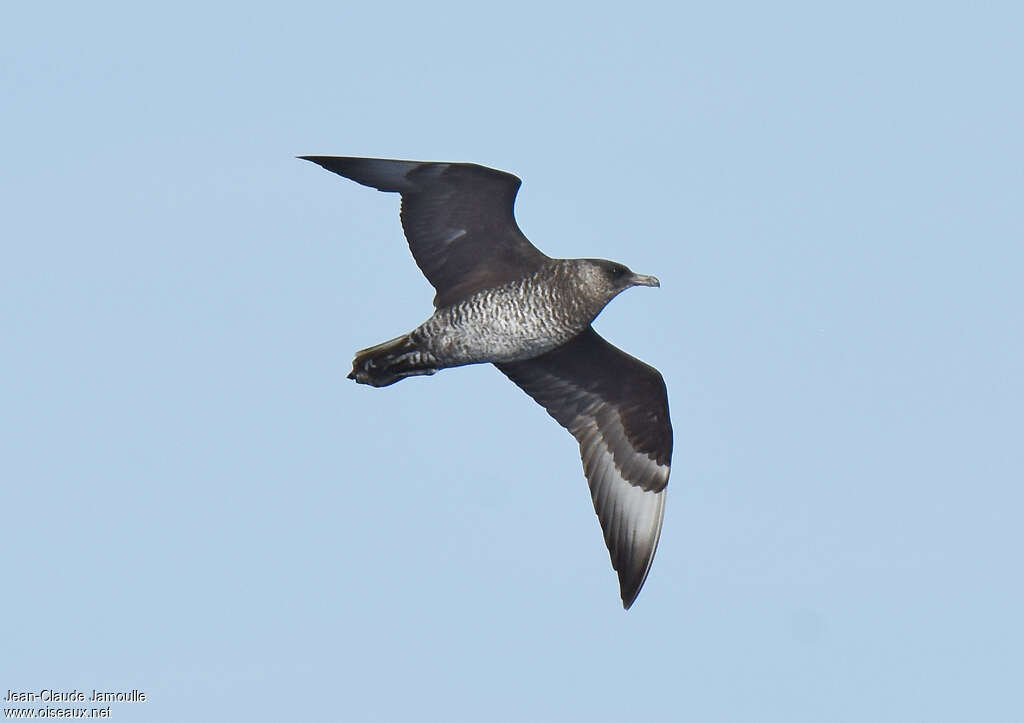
x: 518, y: 320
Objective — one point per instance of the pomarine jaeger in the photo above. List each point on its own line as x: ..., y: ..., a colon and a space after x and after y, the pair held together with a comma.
x: 500, y: 300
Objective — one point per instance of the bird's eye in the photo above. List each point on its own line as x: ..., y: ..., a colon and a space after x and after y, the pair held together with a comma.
x: 618, y: 270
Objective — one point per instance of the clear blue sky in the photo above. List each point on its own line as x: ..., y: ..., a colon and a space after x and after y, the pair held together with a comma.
x: 198, y: 504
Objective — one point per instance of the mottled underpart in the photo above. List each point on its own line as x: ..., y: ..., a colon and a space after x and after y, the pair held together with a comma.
x: 518, y: 320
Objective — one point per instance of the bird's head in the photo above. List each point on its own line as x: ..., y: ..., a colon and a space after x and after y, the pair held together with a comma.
x: 612, y: 277
x: 600, y: 281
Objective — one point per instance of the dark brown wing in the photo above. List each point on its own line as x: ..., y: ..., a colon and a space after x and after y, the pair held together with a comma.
x: 617, y: 408
x: 458, y: 218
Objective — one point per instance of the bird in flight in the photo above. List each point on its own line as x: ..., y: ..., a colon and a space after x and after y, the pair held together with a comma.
x: 501, y: 300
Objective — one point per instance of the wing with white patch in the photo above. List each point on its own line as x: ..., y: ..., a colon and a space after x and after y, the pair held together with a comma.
x: 617, y: 408
x: 459, y: 219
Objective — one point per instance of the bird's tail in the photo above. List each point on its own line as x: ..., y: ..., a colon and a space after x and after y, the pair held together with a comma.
x: 391, y: 361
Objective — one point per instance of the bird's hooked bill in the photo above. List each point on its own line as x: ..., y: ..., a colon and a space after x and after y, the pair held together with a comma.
x: 645, y: 280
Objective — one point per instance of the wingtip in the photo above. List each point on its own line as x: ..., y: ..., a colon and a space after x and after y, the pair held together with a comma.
x: 630, y: 585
